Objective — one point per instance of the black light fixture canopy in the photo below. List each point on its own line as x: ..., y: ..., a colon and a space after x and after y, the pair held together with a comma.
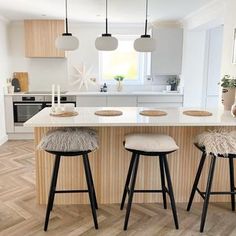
x: 66, y: 41
x: 106, y: 42
x: 145, y: 43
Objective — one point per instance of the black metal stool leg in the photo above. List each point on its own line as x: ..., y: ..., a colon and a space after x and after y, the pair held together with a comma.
x: 94, y: 192
x: 52, y: 190
x: 232, y: 186
x: 171, y: 194
x: 127, y: 181
x: 208, y: 192
x: 132, y: 186
x: 198, y: 175
x: 90, y: 189
x: 163, y: 186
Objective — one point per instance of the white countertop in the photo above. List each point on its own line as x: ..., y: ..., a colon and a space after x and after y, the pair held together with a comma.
x: 113, y: 93
x: 130, y: 117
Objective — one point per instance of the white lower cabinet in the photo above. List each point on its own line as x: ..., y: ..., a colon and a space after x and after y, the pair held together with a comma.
x: 121, y: 101
x: 160, y: 105
x: 171, y: 101
x: 91, y: 101
x: 9, y: 117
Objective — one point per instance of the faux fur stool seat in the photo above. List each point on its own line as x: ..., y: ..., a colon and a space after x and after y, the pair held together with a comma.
x: 217, y: 142
x: 69, y: 140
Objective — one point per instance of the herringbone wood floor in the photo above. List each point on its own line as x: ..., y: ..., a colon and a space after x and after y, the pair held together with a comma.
x: 20, y: 215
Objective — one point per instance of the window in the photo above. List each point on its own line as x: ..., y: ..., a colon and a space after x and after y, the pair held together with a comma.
x: 124, y: 61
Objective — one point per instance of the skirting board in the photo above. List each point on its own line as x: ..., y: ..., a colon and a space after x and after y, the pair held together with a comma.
x: 20, y: 136
x: 3, y: 140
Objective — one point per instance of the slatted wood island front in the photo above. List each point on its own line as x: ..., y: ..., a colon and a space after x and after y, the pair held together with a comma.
x: 110, y: 162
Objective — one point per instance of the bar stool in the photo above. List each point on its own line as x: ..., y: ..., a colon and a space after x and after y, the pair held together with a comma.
x: 68, y: 142
x: 149, y: 145
x: 206, y: 195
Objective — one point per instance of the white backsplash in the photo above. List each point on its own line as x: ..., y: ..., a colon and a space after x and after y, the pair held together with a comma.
x: 155, y: 83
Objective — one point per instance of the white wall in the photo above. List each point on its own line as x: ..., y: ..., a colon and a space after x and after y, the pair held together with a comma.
x: 193, y: 67
x: 44, y: 72
x: 4, y: 74
x: 230, y: 25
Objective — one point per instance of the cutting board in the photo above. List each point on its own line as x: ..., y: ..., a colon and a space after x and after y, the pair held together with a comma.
x: 23, y: 79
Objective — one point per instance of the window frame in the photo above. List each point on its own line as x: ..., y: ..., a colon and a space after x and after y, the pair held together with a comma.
x: 143, y: 58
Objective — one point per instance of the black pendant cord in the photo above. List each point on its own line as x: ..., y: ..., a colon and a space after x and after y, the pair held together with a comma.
x: 67, y: 28
x: 146, y: 23
x: 106, y: 34
x: 106, y: 17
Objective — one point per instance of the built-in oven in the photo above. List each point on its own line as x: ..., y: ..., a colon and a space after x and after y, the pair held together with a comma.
x: 25, y: 107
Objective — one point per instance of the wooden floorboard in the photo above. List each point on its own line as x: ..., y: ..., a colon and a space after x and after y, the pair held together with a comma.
x: 21, y: 215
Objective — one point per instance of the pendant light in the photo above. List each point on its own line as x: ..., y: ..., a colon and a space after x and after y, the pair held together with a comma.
x: 106, y: 42
x: 66, y: 41
x: 145, y: 43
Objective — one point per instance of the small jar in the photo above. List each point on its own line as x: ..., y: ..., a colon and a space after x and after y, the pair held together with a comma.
x: 233, y: 110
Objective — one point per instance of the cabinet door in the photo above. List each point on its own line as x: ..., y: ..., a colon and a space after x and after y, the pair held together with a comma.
x: 161, y: 99
x: 40, y: 36
x: 91, y: 101
x: 121, y: 101
x: 9, y: 116
x: 167, y: 58
x: 163, y: 105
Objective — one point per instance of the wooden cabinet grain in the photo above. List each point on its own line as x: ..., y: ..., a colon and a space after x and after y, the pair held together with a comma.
x: 40, y: 36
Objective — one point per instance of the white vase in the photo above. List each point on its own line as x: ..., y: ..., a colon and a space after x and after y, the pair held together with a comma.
x: 119, y: 86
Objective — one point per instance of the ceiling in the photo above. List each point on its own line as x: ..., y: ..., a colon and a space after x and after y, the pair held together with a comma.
x: 130, y: 11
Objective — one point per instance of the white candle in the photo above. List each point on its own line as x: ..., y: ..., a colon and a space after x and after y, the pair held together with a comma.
x: 53, y: 95
x: 58, y: 96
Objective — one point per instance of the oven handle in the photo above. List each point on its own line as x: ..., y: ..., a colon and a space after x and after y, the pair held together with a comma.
x: 27, y: 104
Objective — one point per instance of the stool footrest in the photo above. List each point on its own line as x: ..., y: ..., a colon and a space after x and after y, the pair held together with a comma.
x: 202, y: 194
x: 147, y: 191
x: 71, y: 191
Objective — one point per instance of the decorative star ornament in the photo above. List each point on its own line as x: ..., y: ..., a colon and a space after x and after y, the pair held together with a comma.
x: 82, y: 77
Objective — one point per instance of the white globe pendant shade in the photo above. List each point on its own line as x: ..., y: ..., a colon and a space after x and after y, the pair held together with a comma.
x: 106, y: 43
x: 145, y: 44
x: 67, y: 42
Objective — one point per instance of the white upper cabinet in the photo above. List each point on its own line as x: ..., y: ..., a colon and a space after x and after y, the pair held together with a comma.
x: 167, y: 58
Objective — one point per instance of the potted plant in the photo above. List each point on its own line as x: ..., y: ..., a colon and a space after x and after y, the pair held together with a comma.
x: 119, y: 79
x: 228, y: 85
x: 173, y: 82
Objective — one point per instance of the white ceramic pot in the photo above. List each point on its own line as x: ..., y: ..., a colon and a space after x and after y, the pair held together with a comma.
x: 228, y: 98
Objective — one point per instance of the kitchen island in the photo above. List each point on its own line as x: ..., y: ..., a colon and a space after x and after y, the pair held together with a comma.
x: 110, y: 162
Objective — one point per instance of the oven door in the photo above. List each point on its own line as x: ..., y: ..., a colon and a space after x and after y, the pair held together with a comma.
x: 23, y: 111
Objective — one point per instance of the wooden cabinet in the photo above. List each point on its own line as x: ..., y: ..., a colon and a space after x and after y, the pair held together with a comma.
x: 167, y: 58
x: 40, y: 36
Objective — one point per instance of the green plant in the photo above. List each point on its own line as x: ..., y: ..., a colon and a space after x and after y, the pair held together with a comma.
x: 173, y: 81
x: 228, y: 82
x: 119, y: 78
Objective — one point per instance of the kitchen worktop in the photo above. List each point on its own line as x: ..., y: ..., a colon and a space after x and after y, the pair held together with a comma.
x: 112, y: 93
x: 130, y: 117
x: 110, y: 161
